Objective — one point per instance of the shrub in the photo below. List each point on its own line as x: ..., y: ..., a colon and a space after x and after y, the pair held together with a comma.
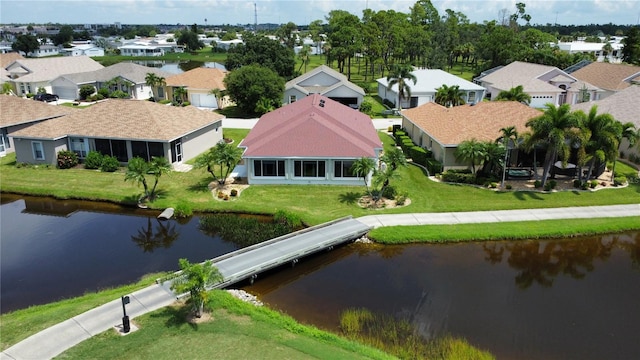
x: 86, y: 91
x: 493, y: 185
x: 389, y: 192
x: 619, y: 180
x: 93, y: 160
x: 104, y: 92
x: 434, y: 166
x: 509, y: 186
x: 119, y: 94
x: 537, y: 184
x: 109, y: 164
x: 290, y: 219
x: 399, y: 133
x: 390, y: 129
x: 220, y: 195
x: 226, y: 197
x: 577, y: 184
x: 402, y: 198
x: 550, y: 185
x: 164, y: 102
x: 418, y: 154
x: 456, y: 177
x: 186, y: 103
x: 234, y: 192
x: 182, y: 210
x: 366, y: 107
x: 67, y: 159
x: 593, y: 184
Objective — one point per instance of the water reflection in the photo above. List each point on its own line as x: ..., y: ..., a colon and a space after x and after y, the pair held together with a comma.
x: 162, y: 236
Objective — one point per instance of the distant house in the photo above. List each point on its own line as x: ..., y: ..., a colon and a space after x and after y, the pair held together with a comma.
x: 595, y: 49
x: 545, y: 84
x: 18, y: 113
x: 426, y: 87
x: 313, y: 141
x: 28, y: 75
x: 132, y: 80
x: 327, y: 82
x: 624, y: 106
x: 83, y: 50
x: 441, y: 129
x: 124, y: 129
x: 45, y: 50
x: 199, y: 82
x: 141, y: 50
x: 611, y: 78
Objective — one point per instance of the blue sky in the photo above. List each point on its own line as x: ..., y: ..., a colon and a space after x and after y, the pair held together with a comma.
x: 577, y: 12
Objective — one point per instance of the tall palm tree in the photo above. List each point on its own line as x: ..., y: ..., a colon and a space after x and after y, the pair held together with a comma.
x: 449, y: 96
x: 509, y: 136
x: 305, y: 57
x: 179, y: 94
x: 398, y: 76
x: 154, y: 81
x: 157, y: 166
x: 219, y: 94
x: 551, y: 129
x: 394, y: 157
x: 602, y: 143
x: 362, y: 168
x: 514, y: 94
x: 222, y: 156
x: 137, y: 169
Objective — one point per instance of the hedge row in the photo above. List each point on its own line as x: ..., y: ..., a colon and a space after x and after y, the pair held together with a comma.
x: 416, y: 153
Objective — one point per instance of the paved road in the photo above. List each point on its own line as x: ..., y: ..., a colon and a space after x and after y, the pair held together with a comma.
x: 56, y: 339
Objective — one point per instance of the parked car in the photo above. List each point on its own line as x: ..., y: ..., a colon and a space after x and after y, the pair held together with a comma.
x: 46, y: 97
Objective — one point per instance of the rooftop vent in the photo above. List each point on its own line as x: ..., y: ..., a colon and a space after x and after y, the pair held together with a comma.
x: 321, y: 103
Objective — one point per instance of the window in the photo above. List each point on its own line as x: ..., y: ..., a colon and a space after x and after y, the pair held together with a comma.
x: 38, y: 150
x: 471, y: 97
x: 268, y: 168
x: 292, y: 99
x: 342, y: 169
x: 78, y: 146
x: 161, y: 92
x: 309, y: 168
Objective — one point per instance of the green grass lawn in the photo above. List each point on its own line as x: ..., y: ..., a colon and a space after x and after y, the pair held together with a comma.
x: 236, y: 330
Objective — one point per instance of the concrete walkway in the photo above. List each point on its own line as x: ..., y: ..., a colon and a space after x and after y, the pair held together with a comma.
x: 58, y: 338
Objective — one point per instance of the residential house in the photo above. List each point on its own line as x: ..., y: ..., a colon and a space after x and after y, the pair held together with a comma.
x: 545, y: 84
x: 327, y: 82
x: 427, y: 83
x: 45, y: 50
x: 624, y: 106
x: 124, y: 129
x: 5, y: 60
x: 595, y: 49
x: 127, y: 77
x: 18, y: 113
x: 441, y: 129
x: 198, y: 82
x: 83, y: 50
x: 611, y: 78
x: 141, y: 50
x: 29, y: 75
x: 314, y: 140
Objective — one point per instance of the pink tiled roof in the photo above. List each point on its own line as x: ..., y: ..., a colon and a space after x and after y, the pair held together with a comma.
x: 307, y: 129
x: 482, y: 121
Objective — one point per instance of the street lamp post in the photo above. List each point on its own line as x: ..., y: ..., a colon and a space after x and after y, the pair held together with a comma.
x: 126, y: 325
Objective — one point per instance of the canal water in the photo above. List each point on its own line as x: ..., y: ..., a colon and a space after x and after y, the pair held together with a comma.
x: 569, y: 299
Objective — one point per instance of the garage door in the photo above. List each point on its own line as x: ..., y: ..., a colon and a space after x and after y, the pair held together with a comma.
x: 66, y: 93
x: 204, y: 100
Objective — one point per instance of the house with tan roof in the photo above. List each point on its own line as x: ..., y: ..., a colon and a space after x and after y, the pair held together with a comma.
x: 124, y: 76
x: 28, y: 75
x: 441, y: 129
x: 5, y: 60
x: 545, y: 84
x: 199, y: 83
x: 611, y: 78
x: 327, y: 82
x: 624, y: 106
x: 19, y: 113
x: 124, y: 129
x: 314, y: 140
x: 427, y: 83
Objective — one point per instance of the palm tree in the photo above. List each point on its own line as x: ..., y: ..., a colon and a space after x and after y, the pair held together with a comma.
x: 551, y: 129
x: 509, y: 136
x: 304, y: 56
x: 157, y: 166
x: 381, y: 178
x: 222, y: 156
x: 137, y: 169
x: 625, y: 131
x: 514, y: 94
x: 398, y: 76
x: 179, y: 94
x: 362, y: 168
x: 449, y: 96
x: 394, y: 157
x: 154, y: 81
x: 219, y: 94
x: 196, y: 279
x: 471, y: 151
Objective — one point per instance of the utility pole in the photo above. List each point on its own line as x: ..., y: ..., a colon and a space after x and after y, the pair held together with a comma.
x: 255, y: 18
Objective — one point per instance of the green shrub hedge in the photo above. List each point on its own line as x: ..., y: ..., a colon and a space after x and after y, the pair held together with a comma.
x: 67, y: 159
x: 419, y: 155
x: 93, y: 160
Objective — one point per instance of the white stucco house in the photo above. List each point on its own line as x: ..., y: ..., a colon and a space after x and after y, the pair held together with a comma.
x: 327, y: 82
x: 425, y: 88
x: 595, y: 49
x: 312, y: 141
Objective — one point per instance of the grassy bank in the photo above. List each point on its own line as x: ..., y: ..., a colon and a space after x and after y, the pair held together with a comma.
x: 236, y: 330
x: 503, y: 231
x: 19, y: 325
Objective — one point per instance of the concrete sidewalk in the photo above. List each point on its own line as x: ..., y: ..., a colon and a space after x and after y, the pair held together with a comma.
x: 581, y: 212
x: 58, y: 338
